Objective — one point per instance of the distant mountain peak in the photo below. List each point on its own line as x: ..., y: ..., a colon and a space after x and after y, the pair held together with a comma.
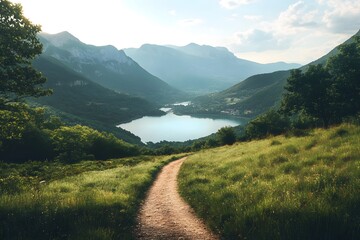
x: 66, y: 41
x: 150, y: 46
x: 206, y: 51
x: 110, y: 52
x: 192, y: 45
x: 60, y: 39
x: 66, y: 34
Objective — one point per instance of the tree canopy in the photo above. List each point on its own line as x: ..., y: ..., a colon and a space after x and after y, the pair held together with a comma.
x: 226, y: 136
x: 269, y: 123
x: 328, y: 93
x: 310, y: 91
x: 345, y: 71
x: 19, y: 45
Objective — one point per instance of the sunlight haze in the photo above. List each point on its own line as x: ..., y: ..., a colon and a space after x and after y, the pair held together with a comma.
x: 258, y: 30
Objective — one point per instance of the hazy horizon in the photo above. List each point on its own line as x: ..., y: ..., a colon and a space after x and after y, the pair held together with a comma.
x: 256, y: 30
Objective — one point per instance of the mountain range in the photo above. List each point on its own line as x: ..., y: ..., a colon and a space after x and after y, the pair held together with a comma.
x: 199, y: 69
x: 109, y: 67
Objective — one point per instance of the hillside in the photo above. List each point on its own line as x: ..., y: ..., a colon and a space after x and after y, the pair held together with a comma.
x: 279, y: 188
x: 85, y: 101
x: 199, y: 69
x: 108, y: 67
x: 251, y: 97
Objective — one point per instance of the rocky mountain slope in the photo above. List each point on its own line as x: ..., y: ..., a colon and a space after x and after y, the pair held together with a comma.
x: 109, y: 67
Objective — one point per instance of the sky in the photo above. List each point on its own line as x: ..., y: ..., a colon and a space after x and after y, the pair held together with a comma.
x: 259, y: 30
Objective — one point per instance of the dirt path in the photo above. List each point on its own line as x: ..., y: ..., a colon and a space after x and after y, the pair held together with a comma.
x: 165, y: 215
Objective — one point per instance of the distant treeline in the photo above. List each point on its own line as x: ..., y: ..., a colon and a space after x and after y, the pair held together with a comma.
x: 30, y: 134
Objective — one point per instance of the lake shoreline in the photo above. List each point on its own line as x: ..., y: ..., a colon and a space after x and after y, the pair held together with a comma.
x: 178, y: 128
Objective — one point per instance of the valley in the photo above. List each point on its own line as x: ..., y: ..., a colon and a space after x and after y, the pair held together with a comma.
x: 79, y: 100
x: 158, y: 137
x: 76, y: 70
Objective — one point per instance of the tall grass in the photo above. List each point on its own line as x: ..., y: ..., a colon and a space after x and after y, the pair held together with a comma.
x: 279, y: 188
x: 88, y: 200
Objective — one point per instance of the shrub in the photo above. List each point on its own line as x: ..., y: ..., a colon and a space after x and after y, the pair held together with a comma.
x: 197, y: 145
x: 23, y: 135
x: 72, y: 143
x: 105, y: 146
x: 75, y: 143
x: 226, y: 136
x: 269, y: 123
x: 211, y: 142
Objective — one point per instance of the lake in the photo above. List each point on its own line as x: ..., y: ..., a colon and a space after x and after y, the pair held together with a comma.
x: 171, y: 127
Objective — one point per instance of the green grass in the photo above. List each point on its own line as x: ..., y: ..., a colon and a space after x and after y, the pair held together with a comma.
x: 280, y: 188
x: 88, y: 200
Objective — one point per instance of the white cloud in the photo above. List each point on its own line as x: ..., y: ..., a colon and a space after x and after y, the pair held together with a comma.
x: 303, y: 49
x: 342, y: 16
x: 279, y: 34
x: 297, y: 33
x: 256, y: 40
x: 231, y: 4
x: 295, y: 18
x: 190, y: 22
x: 253, y: 17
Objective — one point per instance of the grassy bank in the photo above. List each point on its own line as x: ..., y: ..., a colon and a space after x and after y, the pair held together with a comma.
x: 87, y: 200
x: 279, y: 188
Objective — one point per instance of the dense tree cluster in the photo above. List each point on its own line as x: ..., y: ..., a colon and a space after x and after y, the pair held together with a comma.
x: 319, y: 96
x: 329, y: 93
x: 30, y: 134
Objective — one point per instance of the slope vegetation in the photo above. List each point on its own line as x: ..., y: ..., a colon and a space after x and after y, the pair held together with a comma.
x: 279, y: 188
x: 79, y: 97
x: 248, y: 98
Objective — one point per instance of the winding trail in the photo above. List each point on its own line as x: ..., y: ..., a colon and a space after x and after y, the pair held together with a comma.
x: 165, y: 215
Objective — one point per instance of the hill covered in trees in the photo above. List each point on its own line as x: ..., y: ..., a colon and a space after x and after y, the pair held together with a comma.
x: 251, y: 97
x: 78, y: 100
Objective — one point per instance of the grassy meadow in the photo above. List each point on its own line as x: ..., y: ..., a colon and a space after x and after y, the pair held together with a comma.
x: 282, y: 187
x: 86, y: 200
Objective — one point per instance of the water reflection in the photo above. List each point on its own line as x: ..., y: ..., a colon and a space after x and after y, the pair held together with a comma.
x: 171, y: 127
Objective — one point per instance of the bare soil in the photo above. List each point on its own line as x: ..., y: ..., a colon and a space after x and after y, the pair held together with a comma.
x: 165, y: 215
